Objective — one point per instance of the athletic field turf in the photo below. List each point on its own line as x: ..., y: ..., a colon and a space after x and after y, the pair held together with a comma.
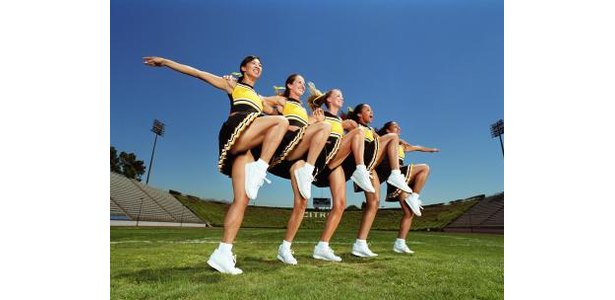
x: 170, y: 263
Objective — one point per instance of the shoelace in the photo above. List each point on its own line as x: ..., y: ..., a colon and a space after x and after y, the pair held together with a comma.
x: 313, y: 177
x: 263, y: 180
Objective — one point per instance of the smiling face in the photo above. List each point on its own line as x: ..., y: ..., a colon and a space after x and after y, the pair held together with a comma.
x: 252, y: 69
x: 366, y: 115
x: 297, y: 87
x: 335, y: 99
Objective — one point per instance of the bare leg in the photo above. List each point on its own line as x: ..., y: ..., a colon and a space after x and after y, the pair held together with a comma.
x: 234, y: 215
x: 268, y: 131
x: 370, y: 210
x: 314, y: 140
x: 298, y: 207
x: 406, y: 219
x: 353, y: 142
x: 338, y: 193
x: 388, y: 144
x: 418, y: 177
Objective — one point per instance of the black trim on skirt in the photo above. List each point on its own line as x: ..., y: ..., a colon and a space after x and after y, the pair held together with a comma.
x: 229, y: 133
x: 393, y: 192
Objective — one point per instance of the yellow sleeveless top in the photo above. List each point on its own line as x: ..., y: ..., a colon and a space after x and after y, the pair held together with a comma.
x: 369, y: 133
x: 336, y: 124
x: 295, y: 113
x: 401, y: 154
x: 245, y: 99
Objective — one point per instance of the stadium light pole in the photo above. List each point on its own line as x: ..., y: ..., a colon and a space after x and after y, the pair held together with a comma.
x: 158, y: 130
x: 497, y: 129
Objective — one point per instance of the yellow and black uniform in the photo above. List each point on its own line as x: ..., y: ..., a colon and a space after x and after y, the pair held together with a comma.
x: 296, y: 116
x: 370, y: 152
x: 246, y: 106
x: 321, y: 179
x: 385, y: 168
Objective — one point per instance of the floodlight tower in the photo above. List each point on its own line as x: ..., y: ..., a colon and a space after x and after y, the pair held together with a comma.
x: 497, y: 129
x: 158, y: 130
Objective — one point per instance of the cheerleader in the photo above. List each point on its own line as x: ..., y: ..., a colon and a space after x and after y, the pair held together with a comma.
x: 331, y: 174
x: 416, y: 176
x: 245, y: 129
x: 376, y: 147
x: 297, y: 154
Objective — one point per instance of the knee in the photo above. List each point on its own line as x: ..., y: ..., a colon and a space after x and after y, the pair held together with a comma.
x: 300, y: 205
x: 357, y: 132
x: 324, y: 127
x: 424, y: 168
x: 339, y: 209
x: 373, y: 204
x: 281, y: 120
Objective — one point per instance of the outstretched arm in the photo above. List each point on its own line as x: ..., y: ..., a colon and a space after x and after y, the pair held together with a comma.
x: 212, y: 79
x: 410, y: 148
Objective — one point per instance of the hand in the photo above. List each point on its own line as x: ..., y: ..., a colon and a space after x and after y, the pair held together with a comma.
x: 230, y: 81
x: 319, y: 115
x: 350, y: 124
x: 435, y: 150
x: 153, y: 61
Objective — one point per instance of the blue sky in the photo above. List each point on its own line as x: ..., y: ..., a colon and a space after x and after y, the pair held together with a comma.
x: 436, y: 67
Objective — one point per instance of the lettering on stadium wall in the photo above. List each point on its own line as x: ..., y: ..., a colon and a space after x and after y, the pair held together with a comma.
x: 316, y: 214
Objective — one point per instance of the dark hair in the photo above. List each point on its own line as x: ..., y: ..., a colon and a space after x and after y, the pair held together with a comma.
x: 289, y: 80
x: 357, y: 110
x: 244, y: 62
x: 384, y: 128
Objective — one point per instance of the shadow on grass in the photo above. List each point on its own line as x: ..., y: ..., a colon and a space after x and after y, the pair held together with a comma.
x: 200, y: 272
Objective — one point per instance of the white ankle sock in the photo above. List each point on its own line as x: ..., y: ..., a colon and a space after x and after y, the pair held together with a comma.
x: 224, y: 247
x: 361, y: 242
x: 323, y: 245
x: 400, y: 241
x: 309, y: 168
x: 286, y: 244
x: 361, y: 167
x: 261, y: 163
x: 395, y: 172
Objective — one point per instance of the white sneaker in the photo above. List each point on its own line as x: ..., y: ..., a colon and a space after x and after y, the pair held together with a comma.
x: 399, y: 181
x: 360, y: 176
x: 414, y: 204
x: 285, y: 255
x: 362, y: 250
x: 304, y: 182
x: 223, y: 262
x: 255, y: 175
x: 402, y: 248
x: 325, y: 254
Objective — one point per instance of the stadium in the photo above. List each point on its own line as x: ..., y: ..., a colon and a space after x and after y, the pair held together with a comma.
x: 160, y: 241
x: 431, y: 70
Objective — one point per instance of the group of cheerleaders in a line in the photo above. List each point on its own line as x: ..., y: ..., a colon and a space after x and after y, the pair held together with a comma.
x: 322, y: 149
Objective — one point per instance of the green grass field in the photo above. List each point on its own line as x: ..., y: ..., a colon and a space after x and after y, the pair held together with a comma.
x: 170, y: 263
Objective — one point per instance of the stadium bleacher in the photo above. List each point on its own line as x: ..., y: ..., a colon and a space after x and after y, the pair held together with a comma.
x: 486, y: 216
x: 134, y: 201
